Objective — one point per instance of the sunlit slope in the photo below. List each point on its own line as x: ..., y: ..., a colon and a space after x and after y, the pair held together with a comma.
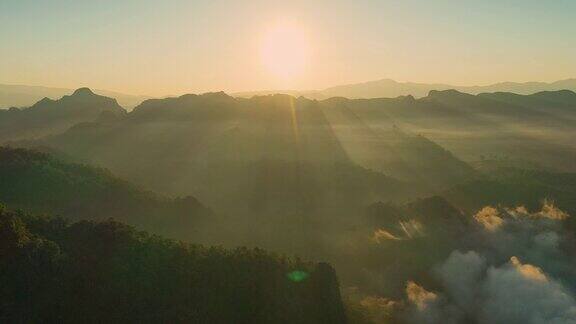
x: 273, y: 152
x: 200, y: 141
x: 537, y: 128
x: 374, y: 140
x: 530, y: 129
x: 275, y: 148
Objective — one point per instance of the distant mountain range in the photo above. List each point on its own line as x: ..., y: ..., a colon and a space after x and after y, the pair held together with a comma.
x: 49, y: 116
x: 387, y: 88
x: 299, y: 153
x: 25, y: 95
x: 379, y: 187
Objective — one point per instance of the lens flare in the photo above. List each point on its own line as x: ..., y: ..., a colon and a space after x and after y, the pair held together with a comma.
x: 298, y: 275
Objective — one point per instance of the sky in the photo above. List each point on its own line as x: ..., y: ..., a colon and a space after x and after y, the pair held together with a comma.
x: 175, y: 46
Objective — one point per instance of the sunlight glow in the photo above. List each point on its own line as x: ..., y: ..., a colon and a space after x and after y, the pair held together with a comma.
x: 284, y: 51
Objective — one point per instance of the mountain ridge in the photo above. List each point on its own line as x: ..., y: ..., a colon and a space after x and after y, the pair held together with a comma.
x: 49, y: 116
x: 38, y: 182
x: 25, y: 95
x: 13, y: 95
x: 391, y: 88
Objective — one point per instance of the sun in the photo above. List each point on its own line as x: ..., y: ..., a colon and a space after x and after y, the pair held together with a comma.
x: 284, y: 51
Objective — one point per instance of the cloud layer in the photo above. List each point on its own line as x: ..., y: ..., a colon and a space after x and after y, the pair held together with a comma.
x: 516, y: 273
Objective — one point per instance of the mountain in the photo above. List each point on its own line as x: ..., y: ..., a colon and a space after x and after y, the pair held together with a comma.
x: 39, y: 183
x: 510, y: 186
x: 475, y: 127
x: 311, y: 94
x: 387, y: 88
x: 525, y: 88
x: 385, y: 189
x: 214, y: 138
x: 561, y: 102
x: 49, y: 116
x: 374, y: 140
x: 290, y: 165
x: 196, y: 144
x: 24, y: 95
x: 409, y: 239
x: 56, y: 271
x: 384, y: 88
x: 179, y: 145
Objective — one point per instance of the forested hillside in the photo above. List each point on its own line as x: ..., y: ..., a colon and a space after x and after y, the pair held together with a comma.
x: 55, y: 271
x: 396, y: 193
x: 40, y: 183
x: 194, y: 192
x: 199, y: 144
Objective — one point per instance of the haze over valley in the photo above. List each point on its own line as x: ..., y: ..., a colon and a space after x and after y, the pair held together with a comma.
x: 191, y: 191
x: 332, y: 180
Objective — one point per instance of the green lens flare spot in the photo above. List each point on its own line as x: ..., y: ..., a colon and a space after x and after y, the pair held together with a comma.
x: 298, y: 275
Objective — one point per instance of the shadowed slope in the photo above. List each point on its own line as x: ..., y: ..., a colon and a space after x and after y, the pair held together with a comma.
x: 49, y: 116
x: 37, y: 182
x: 108, y: 272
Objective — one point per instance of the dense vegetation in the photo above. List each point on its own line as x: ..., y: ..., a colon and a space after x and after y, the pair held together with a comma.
x: 387, y: 190
x: 37, y: 182
x: 54, y: 271
x: 514, y: 186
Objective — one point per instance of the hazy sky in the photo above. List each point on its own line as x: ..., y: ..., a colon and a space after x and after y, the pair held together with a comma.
x: 175, y: 46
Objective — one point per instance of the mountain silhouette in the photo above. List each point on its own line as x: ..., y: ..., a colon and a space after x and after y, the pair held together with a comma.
x: 49, y: 116
x: 25, y: 95
x: 190, y: 137
x: 387, y: 88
